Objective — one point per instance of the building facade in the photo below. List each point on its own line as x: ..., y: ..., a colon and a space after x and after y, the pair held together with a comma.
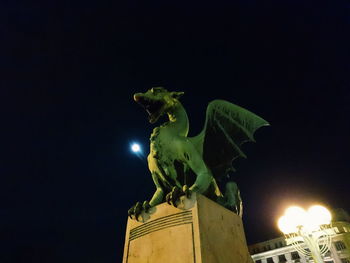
x: 279, y: 250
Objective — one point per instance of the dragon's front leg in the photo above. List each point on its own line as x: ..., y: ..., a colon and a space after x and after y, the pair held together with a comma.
x: 204, y: 177
x: 173, y: 197
x: 135, y: 211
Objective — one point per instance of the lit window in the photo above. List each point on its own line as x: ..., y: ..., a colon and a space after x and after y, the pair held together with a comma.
x: 328, y: 254
x: 339, y: 245
x: 282, y: 258
x: 295, y: 255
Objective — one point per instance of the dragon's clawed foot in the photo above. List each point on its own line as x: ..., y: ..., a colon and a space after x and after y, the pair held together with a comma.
x: 135, y: 211
x: 173, y: 197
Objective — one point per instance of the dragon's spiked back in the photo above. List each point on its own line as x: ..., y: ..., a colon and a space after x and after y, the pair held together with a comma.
x: 226, y: 128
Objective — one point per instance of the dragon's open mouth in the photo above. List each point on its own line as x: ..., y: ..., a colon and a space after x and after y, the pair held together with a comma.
x: 153, y: 107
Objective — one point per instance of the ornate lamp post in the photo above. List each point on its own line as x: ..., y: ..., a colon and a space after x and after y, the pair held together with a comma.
x: 311, y: 227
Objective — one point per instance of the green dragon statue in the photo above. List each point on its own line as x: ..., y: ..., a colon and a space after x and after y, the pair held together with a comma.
x: 182, y: 165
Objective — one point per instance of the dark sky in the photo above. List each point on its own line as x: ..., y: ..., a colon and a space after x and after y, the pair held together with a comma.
x: 68, y: 73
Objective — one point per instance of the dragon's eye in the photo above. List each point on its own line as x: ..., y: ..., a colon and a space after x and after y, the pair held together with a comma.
x: 157, y: 89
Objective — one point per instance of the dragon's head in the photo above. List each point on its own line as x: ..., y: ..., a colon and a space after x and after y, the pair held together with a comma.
x: 157, y: 101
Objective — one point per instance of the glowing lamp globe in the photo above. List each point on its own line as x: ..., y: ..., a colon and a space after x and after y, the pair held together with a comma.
x: 303, y: 226
x: 285, y: 226
x: 296, y: 216
x: 318, y: 216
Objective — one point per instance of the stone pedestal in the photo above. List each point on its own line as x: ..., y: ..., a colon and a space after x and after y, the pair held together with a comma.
x: 205, y: 232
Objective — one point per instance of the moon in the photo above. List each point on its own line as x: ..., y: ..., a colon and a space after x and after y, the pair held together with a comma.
x: 136, y: 148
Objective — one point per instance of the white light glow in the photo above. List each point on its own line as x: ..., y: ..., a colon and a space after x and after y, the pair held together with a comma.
x: 310, y: 220
x: 135, y: 148
x: 285, y: 227
x: 317, y: 216
x: 296, y: 216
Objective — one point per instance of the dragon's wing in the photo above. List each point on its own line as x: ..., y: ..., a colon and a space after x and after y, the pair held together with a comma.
x: 227, y: 127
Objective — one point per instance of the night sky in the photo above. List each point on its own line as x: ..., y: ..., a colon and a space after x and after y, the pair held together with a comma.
x: 68, y: 73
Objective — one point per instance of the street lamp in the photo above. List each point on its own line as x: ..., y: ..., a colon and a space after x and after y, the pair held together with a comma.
x: 311, y: 227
